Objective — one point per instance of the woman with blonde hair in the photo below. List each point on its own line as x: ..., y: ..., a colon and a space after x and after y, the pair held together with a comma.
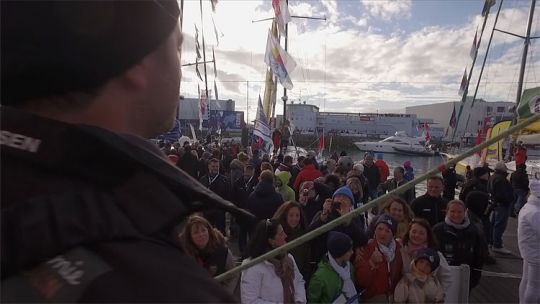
x: 207, y: 246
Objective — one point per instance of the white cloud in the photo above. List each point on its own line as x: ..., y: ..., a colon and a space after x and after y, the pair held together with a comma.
x: 354, y: 69
x: 388, y: 9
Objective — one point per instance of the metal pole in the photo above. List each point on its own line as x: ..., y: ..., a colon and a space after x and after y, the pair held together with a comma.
x: 524, y: 56
x: 204, y: 57
x: 247, y: 102
x: 284, y: 98
x: 483, y: 63
x: 378, y: 201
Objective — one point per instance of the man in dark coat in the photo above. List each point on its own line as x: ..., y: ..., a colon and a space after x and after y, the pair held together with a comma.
x: 397, y: 181
x: 242, y: 188
x: 373, y: 175
x: 502, y: 194
x: 520, y: 183
x: 189, y: 163
x: 219, y: 184
x: 431, y: 206
x: 450, y: 182
x: 88, y: 203
x: 264, y: 201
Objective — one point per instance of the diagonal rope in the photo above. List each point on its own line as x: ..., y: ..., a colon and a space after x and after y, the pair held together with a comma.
x: 349, y: 216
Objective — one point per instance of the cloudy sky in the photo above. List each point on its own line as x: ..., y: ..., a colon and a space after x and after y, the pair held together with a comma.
x: 368, y: 56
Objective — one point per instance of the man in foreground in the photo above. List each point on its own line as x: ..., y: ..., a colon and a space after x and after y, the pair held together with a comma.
x: 88, y: 205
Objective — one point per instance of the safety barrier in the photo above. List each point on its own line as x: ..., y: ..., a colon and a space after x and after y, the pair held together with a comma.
x: 376, y: 202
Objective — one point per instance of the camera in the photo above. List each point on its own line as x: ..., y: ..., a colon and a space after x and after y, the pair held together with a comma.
x: 336, y: 205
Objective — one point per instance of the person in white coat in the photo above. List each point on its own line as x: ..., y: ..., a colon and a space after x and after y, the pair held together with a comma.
x: 529, y: 244
x: 276, y: 280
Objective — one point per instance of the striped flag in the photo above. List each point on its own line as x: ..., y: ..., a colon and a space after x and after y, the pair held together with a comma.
x: 281, y: 10
x: 262, y: 129
x: 281, y: 63
x: 463, y: 85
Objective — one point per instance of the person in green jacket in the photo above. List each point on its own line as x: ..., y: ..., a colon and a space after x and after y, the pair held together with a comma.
x: 333, y: 279
x: 282, y: 188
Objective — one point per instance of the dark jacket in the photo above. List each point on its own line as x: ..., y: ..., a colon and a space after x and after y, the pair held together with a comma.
x: 393, y: 184
x: 318, y: 246
x: 373, y: 176
x: 520, y: 180
x: 241, y: 190
x: 462, y: 246
x: 264, y: 201
x: 433, y: 209
x: 189, y: 163
x: 84, y: 193
x: 450, y: 183
x: 474, y: 184
x: 500, y: 189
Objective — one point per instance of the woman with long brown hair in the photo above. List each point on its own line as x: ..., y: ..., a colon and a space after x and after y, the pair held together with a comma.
x: 419, y: 236
x: 293, y: 221
x: 207, y: 246
x: 397, y: 208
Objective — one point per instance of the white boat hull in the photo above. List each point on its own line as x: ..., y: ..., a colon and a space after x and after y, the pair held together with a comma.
x: 375, y: 147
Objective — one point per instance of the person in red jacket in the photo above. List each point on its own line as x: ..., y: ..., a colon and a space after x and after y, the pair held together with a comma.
x: 383, y: 168
x: 308, y: 174
x: 378, y: 265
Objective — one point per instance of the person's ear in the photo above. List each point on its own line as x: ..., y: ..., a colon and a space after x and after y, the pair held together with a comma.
x: 135, y: 78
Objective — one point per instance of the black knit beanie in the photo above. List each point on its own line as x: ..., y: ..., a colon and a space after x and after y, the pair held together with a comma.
x: 55, y: 47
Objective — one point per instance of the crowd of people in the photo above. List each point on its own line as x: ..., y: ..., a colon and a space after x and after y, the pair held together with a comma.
x: 377, y: 256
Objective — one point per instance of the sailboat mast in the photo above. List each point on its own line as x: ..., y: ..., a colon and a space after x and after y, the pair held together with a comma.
x: 524, y: 57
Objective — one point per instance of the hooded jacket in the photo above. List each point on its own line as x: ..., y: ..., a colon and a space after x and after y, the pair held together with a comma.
x: 264, y: 201
x: 287, y: 193
x: 308, y: 173
x: 85, y: 194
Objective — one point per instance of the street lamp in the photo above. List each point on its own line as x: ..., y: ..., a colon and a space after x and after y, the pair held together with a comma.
x: 284, y: 98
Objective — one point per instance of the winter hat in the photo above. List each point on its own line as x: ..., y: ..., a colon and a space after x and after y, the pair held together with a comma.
x: 407, y: 163
x: 76, y: 46
x: 500, y: 166
x: 338, y: 243
x: 479, y: 171
x: 344, y: 191
x: 388, y: 220
x: 430, y: 255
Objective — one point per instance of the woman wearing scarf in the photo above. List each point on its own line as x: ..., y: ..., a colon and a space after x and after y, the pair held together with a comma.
x: 418, y: 237
x: 207, y: 246
x: 333, y: 282
x: 276, y: 280
x: 459, y: 241
x: 378, y: 266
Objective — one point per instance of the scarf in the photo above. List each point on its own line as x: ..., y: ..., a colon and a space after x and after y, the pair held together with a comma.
x: 465, y: 224
x: 344, y: 273
x: 284, y: 268
x: 389, y: 251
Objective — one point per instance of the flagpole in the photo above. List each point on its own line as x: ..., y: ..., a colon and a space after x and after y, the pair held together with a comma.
x: 483, y: 63
x: 464, y: 96
x: 284, y: 98
x: 204, y: 54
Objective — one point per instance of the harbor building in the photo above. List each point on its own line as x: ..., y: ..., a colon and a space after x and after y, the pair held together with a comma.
x: 307, y: 118
x: 483, y: 114
x: 219, y: 111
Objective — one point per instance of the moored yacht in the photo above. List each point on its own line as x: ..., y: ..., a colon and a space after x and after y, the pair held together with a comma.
x: 399, y: 143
